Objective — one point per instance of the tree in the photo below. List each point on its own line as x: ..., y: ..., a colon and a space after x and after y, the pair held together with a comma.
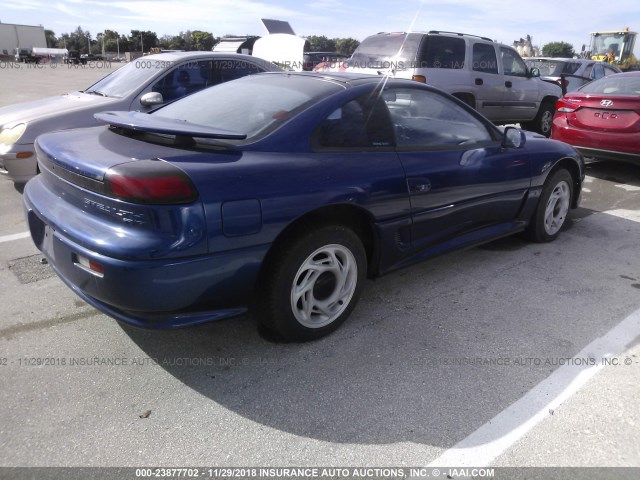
x: 164, y: 42
x: 321, y: 44
x: 178, y: 43
x: 50, y: 38
x: 202, y: 40
x: 182, y: 41
x: 346, y: 46
x: 140, y: 40
x: 113, y: 42
x: 77, y: 40
x: 558, y: 49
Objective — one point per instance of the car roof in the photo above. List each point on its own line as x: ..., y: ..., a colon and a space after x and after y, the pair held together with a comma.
x: 564, y: 59
x: 348, y: 78
x: 174, y: 56
x: 477, y: 38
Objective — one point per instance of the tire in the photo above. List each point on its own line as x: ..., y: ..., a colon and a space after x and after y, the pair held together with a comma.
x: 554, y: 204
x: 312, y: 283
x: 543, y: 121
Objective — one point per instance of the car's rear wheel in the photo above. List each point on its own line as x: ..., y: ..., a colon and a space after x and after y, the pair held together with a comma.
x: 553, y: 207
x: 312, y: 283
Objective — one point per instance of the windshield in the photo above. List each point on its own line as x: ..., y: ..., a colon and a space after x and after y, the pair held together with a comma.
x: 553, y: 68
x: 127, y: 79
x: 253, y: 105
x: 619, y: 84
x: 604, y: 43
x: 396, y: 51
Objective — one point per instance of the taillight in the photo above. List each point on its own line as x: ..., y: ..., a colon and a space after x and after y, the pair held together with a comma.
x: 149, y: 182
x: 564, y: 107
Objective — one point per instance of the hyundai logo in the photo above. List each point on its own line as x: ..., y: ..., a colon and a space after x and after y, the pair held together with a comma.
x: 606, y: 103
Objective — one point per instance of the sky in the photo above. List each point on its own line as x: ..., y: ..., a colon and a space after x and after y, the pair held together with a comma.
x: 502, y: 20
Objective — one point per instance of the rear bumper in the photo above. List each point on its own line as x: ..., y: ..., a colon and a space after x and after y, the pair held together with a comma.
x: 609, y: 155
x: 622, y: 147
x: 161, y: 294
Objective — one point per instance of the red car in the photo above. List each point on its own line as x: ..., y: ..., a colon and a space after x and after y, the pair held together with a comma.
x: 602, y: 119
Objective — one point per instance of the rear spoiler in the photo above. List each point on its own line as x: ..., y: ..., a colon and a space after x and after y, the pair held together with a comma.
x: 143, y: 122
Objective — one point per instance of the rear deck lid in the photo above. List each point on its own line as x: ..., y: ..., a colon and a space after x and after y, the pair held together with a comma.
x: 90, y: 152
x: 619, y: 114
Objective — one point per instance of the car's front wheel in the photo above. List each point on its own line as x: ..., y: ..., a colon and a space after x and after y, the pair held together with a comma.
x: 312, y: 283
x: 553, y: 207
x: 544, y: 119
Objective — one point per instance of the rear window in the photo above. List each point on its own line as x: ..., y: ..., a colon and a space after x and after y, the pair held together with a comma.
x: 253, y: 105
x: 385, y: 51
x: 442, y: 52
x: 553, y: 68
x: 618, y: 84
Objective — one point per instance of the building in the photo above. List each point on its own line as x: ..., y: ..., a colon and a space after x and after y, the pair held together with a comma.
x: 20, y: 36
x: 525, y: 48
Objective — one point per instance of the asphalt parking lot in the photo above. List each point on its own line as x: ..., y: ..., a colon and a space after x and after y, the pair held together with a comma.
x: 511, y: 354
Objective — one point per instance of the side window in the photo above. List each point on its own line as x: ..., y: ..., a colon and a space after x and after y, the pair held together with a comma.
x: 484, y: 58
x: 442, y: 52
x: 571, y: 67
x: 361, y: 123
x: 588, y: 71
x: 512, y: 64
x: 234, y: 69
x: 424, y: 118
x: 598, y: 71
x: 183, y: 80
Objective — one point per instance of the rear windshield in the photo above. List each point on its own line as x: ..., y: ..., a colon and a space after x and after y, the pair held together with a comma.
x: 253, y: 105
x: 387, y: 51
x: 617, y: 84
x: 553, y: 68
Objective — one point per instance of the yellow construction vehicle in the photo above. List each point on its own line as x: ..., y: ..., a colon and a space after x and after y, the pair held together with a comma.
x: 615, y: 47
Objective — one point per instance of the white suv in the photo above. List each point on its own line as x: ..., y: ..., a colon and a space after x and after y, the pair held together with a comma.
x: 490, y: 77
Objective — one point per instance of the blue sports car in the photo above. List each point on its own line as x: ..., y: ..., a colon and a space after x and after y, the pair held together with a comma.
x: 279, y: 193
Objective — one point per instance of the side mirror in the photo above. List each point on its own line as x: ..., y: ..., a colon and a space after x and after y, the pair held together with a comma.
x: 513, y: 138
x: 152, y: 98
x: 534, y: 72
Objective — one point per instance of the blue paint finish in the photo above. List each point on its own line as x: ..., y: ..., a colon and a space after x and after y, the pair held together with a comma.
x: 241, y: 217
x: 167, y: 266
x: 99, y: 223
x: 465, y: 194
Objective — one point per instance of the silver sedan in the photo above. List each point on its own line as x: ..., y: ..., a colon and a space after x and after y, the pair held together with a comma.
x: 140, y: 85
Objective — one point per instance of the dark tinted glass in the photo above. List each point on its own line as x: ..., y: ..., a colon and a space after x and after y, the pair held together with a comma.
x: 252, y: 105
x: 484, y: 58
x: 442, y: 52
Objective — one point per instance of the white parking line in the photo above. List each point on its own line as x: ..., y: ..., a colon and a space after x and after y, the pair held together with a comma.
x: 633, y: 215
x: 493, y: 438
x: 15, y: 236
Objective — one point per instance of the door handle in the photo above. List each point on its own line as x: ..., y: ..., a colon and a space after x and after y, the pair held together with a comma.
x: 418, y: 185
x: 479, y: 81
x: 508, y: 84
